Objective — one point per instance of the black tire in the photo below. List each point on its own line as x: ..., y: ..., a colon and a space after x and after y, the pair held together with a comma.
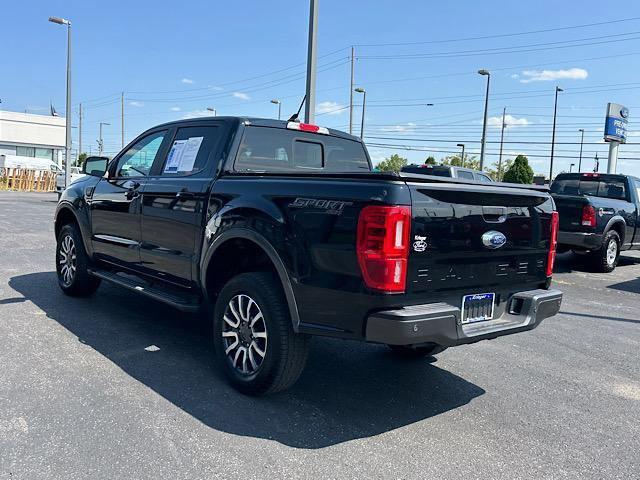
x: 606, y: 258
x: 77, y: 283
x: 411, y: 351
x: 284, y: 351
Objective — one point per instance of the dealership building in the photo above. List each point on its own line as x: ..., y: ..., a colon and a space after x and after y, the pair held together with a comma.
x: 30, y: 135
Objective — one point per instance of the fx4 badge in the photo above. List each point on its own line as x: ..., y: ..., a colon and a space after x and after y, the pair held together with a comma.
x: 334, y: 207
x: 420, y: 243
x: 493, y: 239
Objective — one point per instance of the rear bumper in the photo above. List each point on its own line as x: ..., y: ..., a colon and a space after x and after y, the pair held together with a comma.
x: 439, y: 323
x: 588, y: 241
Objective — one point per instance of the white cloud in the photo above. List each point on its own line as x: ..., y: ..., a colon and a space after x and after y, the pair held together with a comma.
x: 515, y: 76
x: 330, y: 108
x: 550, y: 75
x: 215, y: 88
x: 197, y: 114
x: 509, y: 120
x: 404, y: 128
x: 136, y: 104
x: 175, y: 109
x: 188, y: 81
x: 241, y: 96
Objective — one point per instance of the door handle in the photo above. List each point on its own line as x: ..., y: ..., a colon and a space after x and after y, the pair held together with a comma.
x: 184, y: 194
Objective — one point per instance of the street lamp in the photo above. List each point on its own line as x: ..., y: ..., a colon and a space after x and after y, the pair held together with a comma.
x: 67, y: 142
x: 279, y: 103
x: 364, y: 101
x: 581, y: 130
x: 553, y: 134
x: 486, y: 113
x: 571, y: 167
x: 100, y: 142
x: 209, y: 109
x: 462, y: 154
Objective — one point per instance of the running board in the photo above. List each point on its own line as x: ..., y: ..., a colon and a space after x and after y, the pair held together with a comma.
x: 184, y: 302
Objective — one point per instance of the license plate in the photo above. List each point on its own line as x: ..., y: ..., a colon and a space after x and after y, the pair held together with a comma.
x: 477, y: 307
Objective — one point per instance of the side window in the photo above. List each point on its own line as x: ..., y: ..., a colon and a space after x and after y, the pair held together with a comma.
x: 483, y: 178
x: 190, y: 150
x: 137, y: 161
x: 637, y: 185
x: 465, y: 175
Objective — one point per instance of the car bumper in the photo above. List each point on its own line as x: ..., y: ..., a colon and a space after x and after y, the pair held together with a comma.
x: 587, y: 241
x: 439, y: 323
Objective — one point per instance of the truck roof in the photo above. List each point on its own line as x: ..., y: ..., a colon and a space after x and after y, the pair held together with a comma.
x: 260, y: 122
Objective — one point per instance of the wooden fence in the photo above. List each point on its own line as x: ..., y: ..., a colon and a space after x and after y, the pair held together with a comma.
x: 23, y: 180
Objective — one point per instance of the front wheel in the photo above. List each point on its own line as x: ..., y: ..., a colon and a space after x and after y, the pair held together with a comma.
x: 605, y: 259
x: 72, y: 264
x: 254, y: 339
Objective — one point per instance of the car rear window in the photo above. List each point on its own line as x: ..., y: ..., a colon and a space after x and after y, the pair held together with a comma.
x: 266, y: 149
x: 595, y: 187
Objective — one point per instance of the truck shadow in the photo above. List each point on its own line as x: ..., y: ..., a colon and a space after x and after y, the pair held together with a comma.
x: 349, y: 390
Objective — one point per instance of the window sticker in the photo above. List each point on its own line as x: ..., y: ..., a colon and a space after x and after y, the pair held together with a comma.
x: 182, y: 155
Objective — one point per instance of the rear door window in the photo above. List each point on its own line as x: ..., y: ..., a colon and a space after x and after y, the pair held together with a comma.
x: 189, y: 153
x: 465, y: 175
x: 266, y: 149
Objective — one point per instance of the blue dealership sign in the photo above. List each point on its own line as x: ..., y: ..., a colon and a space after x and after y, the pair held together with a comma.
x: 615, y: 127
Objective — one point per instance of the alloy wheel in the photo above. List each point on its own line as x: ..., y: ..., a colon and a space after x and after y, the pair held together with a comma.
x: 612, y: 252
x: 67, y: 260
x: 244, y: 334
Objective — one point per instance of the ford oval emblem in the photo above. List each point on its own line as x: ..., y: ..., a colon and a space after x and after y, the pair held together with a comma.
x: 493, y: 239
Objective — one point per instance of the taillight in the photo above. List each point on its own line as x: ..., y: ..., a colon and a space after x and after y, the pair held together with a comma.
x: 553, y: 243
x: 588, y: 216
x: 383, y: 246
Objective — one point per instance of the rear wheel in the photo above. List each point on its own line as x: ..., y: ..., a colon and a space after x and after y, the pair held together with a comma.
x: 606, y: 258
x: 254, y: 339
x: 72, y: 264
x: 412, y: 351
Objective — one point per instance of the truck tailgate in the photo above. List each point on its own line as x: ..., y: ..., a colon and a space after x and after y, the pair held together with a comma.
x: 476, y: 238
x: 570, y: 210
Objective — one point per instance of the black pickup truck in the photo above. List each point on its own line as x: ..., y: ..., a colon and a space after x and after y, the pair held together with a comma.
x: 281, y: 230
x: 598, y: 215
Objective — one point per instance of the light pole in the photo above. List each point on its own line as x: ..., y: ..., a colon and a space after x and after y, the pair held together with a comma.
x: 100, y: 142
x: 279, y: 103
x: 310, y: 105
x: 553, y: 134
x: 462, y: 154
x: 364, y: 102
x: 504, y: 113
x: 67, y: 143
x: 486, y: 113
x: 581, y: 130
x: 571, y: 167
x: 210, y: 109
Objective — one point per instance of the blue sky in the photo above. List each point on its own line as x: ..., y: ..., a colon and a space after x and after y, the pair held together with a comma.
x: 176, y: 60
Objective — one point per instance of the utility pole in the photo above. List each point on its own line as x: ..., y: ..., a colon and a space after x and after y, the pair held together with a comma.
x: 80, y: 130
x: 100, y: 141
x: 462, y: 154
x: 553, y: 134
x: 581, y: 130
x: 122, y: 118
x: 310, y: 106
x: 486, y: 113
x: 504, y: 113
x: 353, y: 55
x: 597, y: 165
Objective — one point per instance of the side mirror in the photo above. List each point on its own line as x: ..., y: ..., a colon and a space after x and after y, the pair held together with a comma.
x: 95, y: 166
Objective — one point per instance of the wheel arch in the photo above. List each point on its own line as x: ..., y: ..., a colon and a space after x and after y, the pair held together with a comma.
x: 617, y: 224
x: 259, y: 255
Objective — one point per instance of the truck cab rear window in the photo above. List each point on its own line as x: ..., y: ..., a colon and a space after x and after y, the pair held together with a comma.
x: 605, y: 188
x: 265, y: 149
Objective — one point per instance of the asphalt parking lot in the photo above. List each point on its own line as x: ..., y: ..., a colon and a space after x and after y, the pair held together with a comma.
x: 118, y: 386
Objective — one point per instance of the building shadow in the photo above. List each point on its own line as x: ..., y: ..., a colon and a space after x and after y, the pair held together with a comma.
x: 631, y: 286
x: 569, y: 262
x: 349, y: 390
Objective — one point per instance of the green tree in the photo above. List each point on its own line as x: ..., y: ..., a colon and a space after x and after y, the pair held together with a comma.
x: 469, y: 162
x: 81, y: 158
x: 430, y: 160
x: 392, y: 164
x: 497, y: 171
x: 519, y: 172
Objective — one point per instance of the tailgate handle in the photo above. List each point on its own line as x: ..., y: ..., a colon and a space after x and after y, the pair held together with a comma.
x: 494, y: 214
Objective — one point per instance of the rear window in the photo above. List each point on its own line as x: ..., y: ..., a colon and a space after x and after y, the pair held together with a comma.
x: 438, y: 172
x: 265, y: 149
x: 595, y: 187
